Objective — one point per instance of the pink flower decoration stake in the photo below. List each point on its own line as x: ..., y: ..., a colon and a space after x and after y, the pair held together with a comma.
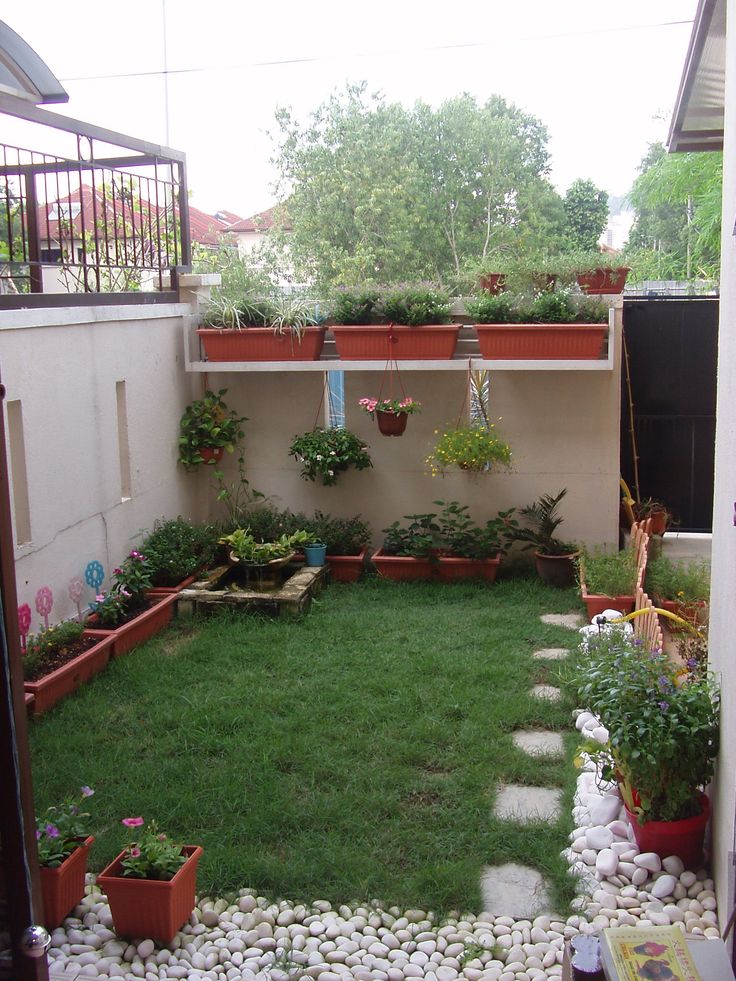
x: 76, y: 588
x: 24, y: 624
x: 44, y: 603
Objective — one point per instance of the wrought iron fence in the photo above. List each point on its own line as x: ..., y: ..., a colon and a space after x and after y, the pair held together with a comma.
x: 95, y: 228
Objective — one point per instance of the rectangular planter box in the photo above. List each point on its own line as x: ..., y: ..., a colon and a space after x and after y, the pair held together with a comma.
x: 47, y: 691
x: 431, y: 342
x: 450, y: 568
x: 541, y: 342
x: 402, y: 568
x: 595, y: 605
x: 165, y: 590
x: 142, y: 627
x: 261, y: 344
x: 346, y: 568
x: 62, y: 888
x: 149, y: 908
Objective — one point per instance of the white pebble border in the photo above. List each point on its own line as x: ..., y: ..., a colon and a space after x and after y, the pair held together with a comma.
x: 251, y: 939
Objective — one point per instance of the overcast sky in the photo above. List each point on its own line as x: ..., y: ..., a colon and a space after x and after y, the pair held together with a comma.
x: 601, y: 75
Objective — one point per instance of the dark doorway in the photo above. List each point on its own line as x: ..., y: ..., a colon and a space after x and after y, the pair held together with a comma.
x: 672, y: 347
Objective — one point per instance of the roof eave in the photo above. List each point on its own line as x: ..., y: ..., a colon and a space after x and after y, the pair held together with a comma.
x: 700, y: 97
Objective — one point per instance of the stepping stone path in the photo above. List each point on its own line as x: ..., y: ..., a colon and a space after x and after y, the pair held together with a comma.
x: 514, y: 890
x: 548, y: 692
x: 551, y: 653
x: 527, y: 805
x: 539, y: 742
x: 571, y: 620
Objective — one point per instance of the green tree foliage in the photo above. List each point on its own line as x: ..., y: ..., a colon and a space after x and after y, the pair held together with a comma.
x: 383, y: 193
x: 586, y: 209
x: 677, y: 230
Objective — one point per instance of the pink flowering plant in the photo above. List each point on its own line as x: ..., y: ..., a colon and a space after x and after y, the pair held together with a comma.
x: 154, y: 855
x: 406, y: 406
x: 128, y: 592
x: 62, y: 829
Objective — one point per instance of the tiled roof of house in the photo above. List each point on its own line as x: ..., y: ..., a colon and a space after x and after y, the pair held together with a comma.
x: 263, y: 221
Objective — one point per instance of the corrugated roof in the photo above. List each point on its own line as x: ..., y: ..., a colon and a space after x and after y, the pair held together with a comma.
x: 697, y: 122
x: 263, y: 221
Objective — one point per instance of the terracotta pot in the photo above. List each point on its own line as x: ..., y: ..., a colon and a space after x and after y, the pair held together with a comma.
x: 261, y: 344
x: 49, y: 690
x: 657, y: 522
x: 494, y: 283
x: 392, y: 423
x: 556, y: 570
x: 402, y: 568
x: 541, y: 342
x: 211, y: 454
x: 694, y: 613
x: 149, y: 908
x: 450, y: 568
x: 682, y: 838
x: 346, y: 568
x: 597, y: 604
x: 140, y: 628
x: 62, y: 888
x: 429, y: 342
x: 164, y: 590
x: 603, y: 280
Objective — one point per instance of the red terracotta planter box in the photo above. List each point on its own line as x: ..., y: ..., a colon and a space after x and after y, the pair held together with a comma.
x: 49, y: 690
x: 165, y: 590
x: 595, y: 604
x: 261, y: 344
x: 450, y: 568
x: 149, y: 908
x: 346, y: 568
x: 62, y: 888
x: 430, y: 342
x: 603, y: 280
x: 142, y: 627
x: 541, y: 342
x: 402, y: 568
x: 695, y: 613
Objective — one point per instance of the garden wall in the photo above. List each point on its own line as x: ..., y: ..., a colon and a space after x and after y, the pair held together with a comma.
x: 94, y: 397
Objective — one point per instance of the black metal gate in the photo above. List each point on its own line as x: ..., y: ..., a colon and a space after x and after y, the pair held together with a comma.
x: 672, y: 347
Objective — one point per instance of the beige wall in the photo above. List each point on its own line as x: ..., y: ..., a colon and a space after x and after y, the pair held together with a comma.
x: 63, y: 367
x: 563, y: 428
x: 723, y: 579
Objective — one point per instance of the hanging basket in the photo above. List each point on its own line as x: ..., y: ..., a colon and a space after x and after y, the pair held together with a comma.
x: 392, y: 423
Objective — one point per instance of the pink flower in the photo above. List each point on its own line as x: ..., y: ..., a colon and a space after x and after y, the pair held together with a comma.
x: 132, y: 822
x: 87, y: 791
x: 135, y: 853
x: 117, y: 572
x: 100, y: 598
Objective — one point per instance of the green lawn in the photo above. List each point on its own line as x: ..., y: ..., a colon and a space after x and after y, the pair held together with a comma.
x: 351, y: 755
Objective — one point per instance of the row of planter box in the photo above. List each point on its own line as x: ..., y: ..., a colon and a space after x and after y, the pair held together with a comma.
x: 514, y: 342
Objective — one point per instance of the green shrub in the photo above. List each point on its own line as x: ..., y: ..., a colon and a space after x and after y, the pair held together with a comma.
x: 682, y: 582
x: 355, y: 306
x: 416, y: 305
x: 176, y: 548
x: 489, y: 309
x: 43, y: 649
x: 609, y: 573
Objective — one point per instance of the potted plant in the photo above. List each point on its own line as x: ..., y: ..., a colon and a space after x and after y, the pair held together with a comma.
x: 253, y: 329
x: 550, y: 327
x: 246, y: 549
x: 555, y: 559
x: 407, y: 322
x: 649, y: 509
x: 682, y: 588
x: 392, y: 414
x: 63, y: 843
x: 150, y: 885
x: 59, y: 660
x: 176, y: 549
x: 608, y: 580
x: 407, y: 552
x: 208, y: 428
x: 469, y: 551
x: 663, y: 729
x: 326, y: 453
x: 596, y: 272
x: 346, y: 540
x: 315, y: 553
x: 475, y: 448
x: 126, y: 610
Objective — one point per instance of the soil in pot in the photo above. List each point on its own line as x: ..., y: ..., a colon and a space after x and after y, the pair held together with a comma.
x: 61, y: 656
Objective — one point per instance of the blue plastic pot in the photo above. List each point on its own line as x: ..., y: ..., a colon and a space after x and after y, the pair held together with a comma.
x: 315, y: 554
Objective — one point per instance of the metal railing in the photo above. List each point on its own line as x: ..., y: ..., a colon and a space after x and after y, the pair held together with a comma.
x: 95, y: 227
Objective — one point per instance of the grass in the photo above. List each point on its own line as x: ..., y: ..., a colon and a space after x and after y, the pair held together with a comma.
x: 352, y: 755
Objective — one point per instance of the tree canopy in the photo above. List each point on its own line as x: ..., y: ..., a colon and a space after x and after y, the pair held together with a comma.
x: 586, y: 209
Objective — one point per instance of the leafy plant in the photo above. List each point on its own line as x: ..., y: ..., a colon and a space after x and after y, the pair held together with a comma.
x: 177, y: 548
x: 237, y: 496
x: 342, y: 536
x: 663, y: 728
x: 208, y: 424
x: 487, y: 308
x: 552, y: 307
x: 325, y: 453
x: 415, y: 305
x: 246, y: 549
x: 459, y: 535
x: 682, y: 582
x: 648, y: 507
x: 355, y: 306
x: 543, y: 520
x: 153, y: 856
x: 474, y: 448
x: 609, y: 573
x: 43, y: 649
x: 61, y: 830
x: 238, y: 313
x: 406, y: 406
x: 417, y: 539
x: 267, y: 523
x: 128, y: 592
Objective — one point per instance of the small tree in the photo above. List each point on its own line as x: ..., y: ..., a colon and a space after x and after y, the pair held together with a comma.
x: 586, y: 209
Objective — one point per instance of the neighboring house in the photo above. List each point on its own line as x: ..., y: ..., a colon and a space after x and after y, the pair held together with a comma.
x: 252, y: 232
x: 705, y: 119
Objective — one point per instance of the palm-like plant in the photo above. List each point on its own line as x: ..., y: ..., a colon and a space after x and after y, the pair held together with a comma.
x: 543, y: 520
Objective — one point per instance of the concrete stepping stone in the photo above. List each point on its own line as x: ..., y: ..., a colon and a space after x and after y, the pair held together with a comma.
x: 551, y: 653
x: 571, y: 620
x: 539, y: 742
x: 527, y: 805
x: 514, y: 890
x: 547, y: 692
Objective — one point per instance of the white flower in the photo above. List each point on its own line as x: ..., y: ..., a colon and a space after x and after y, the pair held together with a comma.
x: 331, y: 473
x: 332, y: 452
x: 318, y: 457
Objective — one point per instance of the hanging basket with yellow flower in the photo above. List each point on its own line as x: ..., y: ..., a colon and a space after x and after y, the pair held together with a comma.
x: 473, y: 448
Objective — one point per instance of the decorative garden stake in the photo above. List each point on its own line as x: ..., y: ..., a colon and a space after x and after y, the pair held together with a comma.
x: 94, y: 575
x: 76, y: 588
x: 24, y: 624
x: 44, y: 603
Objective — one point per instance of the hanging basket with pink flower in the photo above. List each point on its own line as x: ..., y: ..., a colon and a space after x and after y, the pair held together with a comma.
x: 391, y: 414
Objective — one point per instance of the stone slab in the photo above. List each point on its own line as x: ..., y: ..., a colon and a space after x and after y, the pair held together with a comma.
x: 514, y: 890
x: 548, y: 692
x: 527, y: 805
x: 539, y: 742
x: 571, y: 620
x: 551, y: 653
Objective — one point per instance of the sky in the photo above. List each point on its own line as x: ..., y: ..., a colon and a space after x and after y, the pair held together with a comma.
x: 601, y: 75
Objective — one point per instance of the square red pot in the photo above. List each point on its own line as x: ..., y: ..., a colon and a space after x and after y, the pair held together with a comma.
x: 62, y: 888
